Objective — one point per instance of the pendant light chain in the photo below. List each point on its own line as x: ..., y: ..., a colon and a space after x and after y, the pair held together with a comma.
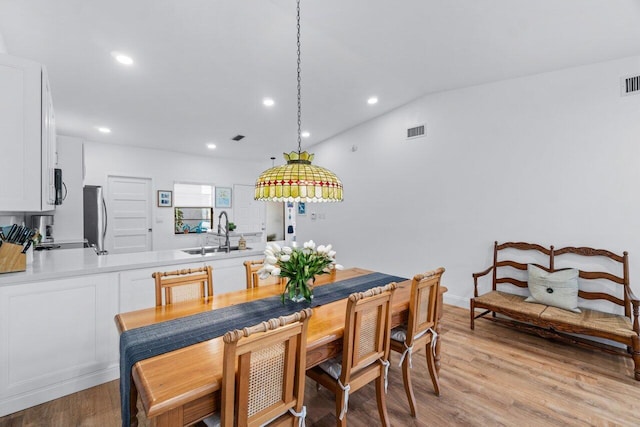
x: 299, y: 87
x: 298, y: 180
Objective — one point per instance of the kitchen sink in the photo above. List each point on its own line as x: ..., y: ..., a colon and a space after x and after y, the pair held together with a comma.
x: 209, y: 250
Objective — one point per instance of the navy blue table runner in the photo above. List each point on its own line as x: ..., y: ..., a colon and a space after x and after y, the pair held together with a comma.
x: 149, y: 341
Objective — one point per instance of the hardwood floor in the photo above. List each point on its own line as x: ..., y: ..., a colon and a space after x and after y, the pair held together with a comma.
x: 493, y: 376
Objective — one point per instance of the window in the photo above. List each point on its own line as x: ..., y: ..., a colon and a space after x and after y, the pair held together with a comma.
x: 193, y: 212
x: 197, y: 195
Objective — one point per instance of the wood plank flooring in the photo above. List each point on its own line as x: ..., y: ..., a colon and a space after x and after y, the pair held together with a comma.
x: 493, y: 376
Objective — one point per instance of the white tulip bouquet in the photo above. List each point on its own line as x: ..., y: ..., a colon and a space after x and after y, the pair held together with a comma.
x: 299, y: 266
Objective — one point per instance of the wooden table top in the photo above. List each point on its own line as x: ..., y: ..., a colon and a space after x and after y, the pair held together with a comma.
x: 172, y: 379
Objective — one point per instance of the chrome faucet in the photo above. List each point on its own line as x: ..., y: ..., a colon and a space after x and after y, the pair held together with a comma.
x: 227, y: 245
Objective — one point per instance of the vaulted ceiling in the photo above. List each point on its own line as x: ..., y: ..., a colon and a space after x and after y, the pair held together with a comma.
x: 202, y: 67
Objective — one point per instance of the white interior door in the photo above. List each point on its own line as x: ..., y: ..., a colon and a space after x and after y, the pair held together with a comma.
x: 129, y: 209
x: 249, y: 214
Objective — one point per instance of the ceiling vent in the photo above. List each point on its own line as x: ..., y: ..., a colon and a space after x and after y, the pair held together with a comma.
x: 238, y: 137
x: 416, y: 132
x: 630, y: 85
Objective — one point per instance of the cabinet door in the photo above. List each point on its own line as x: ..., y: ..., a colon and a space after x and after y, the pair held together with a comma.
x: 229, y: 275
x: 48, y: 146
x: 57, y: 337
x: 138, y: 288
x: 20, y: 121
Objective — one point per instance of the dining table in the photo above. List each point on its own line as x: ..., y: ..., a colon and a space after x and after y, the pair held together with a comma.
x: 181, y: 387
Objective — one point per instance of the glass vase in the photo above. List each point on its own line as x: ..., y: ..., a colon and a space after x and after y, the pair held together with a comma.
x: 299, y: 289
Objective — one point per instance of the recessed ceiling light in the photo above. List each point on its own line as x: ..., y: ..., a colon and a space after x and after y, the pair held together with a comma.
x: 305, y: 134
x: 372, y: 100
x: 122, y: 58
x: 268, y: 102
x: 211, y: 146
x: 103, y: 129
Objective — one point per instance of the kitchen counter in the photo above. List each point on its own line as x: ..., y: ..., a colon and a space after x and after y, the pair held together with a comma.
x: 58, y: 264
x: 64, y: 305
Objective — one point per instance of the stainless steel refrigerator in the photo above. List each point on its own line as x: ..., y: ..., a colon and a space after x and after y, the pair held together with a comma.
x: 95, y: 217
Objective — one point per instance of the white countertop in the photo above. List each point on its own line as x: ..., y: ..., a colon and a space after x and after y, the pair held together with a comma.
x: 61, y: 263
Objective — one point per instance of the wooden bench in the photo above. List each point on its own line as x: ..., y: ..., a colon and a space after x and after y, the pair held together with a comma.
x: 609, y: 310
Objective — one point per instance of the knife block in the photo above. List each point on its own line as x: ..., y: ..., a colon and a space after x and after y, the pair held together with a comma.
x: 12, y: 258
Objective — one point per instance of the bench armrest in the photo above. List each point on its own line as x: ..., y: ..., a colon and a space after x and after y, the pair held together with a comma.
x: 476, y: 276
x: 636, y: 308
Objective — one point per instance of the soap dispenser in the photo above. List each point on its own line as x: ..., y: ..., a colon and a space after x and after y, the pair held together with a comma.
x: 242, y: 243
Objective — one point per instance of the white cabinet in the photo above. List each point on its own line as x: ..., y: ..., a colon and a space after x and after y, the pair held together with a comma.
x: 57, y: 337
x: 48, y: 146
x: 137, y: 289
x: 229, y: 275
x: 27, y: 137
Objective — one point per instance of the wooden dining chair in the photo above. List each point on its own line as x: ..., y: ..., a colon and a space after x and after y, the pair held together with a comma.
x: 365, y: 351
x: 183, y: 285
x: 254, y: 280
x: 263, y: 373
x: 420, y: 330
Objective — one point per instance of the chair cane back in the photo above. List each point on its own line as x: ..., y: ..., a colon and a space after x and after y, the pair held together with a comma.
x: 365, y: 351
x: 183, y: 285
x: 420, y: 330
x: 254, y: 280
x: 263, y: 373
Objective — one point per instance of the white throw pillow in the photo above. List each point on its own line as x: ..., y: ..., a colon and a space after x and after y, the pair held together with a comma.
x: 558, y: 289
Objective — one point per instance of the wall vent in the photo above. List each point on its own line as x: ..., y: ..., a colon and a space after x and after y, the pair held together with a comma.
x: 237, y: 137
x: 630, y: 85
x: 416, y: 132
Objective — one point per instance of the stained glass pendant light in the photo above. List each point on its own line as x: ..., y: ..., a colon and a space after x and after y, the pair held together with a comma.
x: 298, y: 180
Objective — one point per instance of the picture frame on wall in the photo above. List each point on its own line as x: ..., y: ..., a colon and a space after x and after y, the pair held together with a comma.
x: 223, y: 197
x: 302, y: 208
x: 165, y: 199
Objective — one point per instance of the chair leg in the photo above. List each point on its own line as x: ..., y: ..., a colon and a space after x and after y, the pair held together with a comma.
x: 381, y: 397
x: 431, y: 364
x: 636, y: 358
x: 472, y: 312
x: 339, y: 402
x: 408, y: 387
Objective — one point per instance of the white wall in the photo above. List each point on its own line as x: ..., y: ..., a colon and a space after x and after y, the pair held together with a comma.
x: 3, y: 47
x: 275, y: 220
x: 550, y: 159
x: 164, y: 168
x: 68, y: 217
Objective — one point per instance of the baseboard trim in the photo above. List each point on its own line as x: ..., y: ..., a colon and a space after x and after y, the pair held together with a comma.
x: 456, y: 300
x: 25, y: 400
